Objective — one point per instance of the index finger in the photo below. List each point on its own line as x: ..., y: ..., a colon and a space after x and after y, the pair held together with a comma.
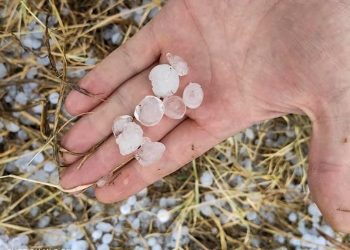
x: 128, y: 60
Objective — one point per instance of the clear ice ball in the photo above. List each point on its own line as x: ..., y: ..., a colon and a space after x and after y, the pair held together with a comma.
x: 130, y: 139
x: 150, y: 111
x: 149, y: 153
x: 175, y: 108
x: 193, y: 95
x: 178, y: 64
x: 165, y: 80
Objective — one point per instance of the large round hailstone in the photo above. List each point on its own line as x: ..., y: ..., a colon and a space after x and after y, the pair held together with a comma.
x: 178, y: 64
x: 150, y: 111
x: 130, y: 139
x: 120, y: 123
x: 165, y: 80
x: 193, y: 95
x: 149, y: 153
x: 175, y: 108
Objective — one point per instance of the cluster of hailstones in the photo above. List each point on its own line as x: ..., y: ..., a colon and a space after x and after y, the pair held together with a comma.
x: 165, y: 79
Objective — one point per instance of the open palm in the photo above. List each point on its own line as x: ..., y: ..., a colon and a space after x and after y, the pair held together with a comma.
x: 255, y: 61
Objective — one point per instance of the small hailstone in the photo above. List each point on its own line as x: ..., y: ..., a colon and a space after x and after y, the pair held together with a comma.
x: 178, y: 64
x: 132, y: 200
x: 157, y: 247
x: 149, y: 111
x: 39, y: 158
x: 96, y: 235
x: 107, y: 239
x: 21, y: 98
x: 3, y: 71
x: 149, y: 153
x: 31, y: 42
x: 120, y: 123
x: 206, y: 179
x: 54, y: 97
x: 44, y: 221
x: 249, y: 133
x: 104, y: 227
x: 49, y: 166
x: 22, y: 135
x: 12, y: 127
x: 43, y: 60
x: 38, y: 109
x: 206, y: 210
x: 165, y: 80
x: 251, y: 215
x: 328, y: 230
x: 103, y: 247
x: 193, y: 95
x: 125, y: 208
x: 79, y: 245
x: 292, y: 217
x: 130, y: 139
x: 313, y: 210
x: 32, y: 73
x: 163, y: 215
x: 151, y: 242
x: 174, y: 106
x: 135, y: 224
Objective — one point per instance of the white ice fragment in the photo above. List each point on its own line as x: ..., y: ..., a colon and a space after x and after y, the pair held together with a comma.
x: 193, y: 95
x: 96, y: 235
x: 120, y: 123
x: 79, y: 245
x: 49, y: 166
x: 178, y: 63
x: 54, y: 97
x: 151, y: 242
x: 3, y: 71
x: 44, y: 221
x: 130, y: 139
x: 125, y: 208
x: 21, y: 98
x: 107, y: 239
x: 39, y: 158
x: 206, y: 210
x: 103, y: 247
x: 174, y: 106
x: 292, y: 217
x: 104, y: 227
x: 132, y: 200
x: 11, y: 127
x: 149, y: 111
x: 313, y: 210
x: 31, y: 42
x: 251, y: 216
x: 149, y: 153
x: 163, y: 215
x: 206, y: 179
x: 157, y: 247
x: 165, y: 80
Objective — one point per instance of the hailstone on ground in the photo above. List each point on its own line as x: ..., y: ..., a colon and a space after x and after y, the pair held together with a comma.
x: 178, y: 64
x: 130, y: 138
x: 149, y: 153
x: 165, y: 80
x: 163, y: 216
x: 193, y: 95
x: 150, y: 111
x: 119, y: 124
x: 175, y: 108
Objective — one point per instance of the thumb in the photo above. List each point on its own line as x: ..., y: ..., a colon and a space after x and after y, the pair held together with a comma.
x: 329, y: 170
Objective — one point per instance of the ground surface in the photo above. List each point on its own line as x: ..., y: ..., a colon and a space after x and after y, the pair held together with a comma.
x: 248, y: 192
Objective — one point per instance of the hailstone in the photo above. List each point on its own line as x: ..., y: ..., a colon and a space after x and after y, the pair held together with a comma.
x: 165, y: 80
x: 120, y: 123
x: 178, y: 64
x: 149, y: 153
x: 150, y: 111
x: 130, y: 138
x: 193, y: 95
x: 174, y: 107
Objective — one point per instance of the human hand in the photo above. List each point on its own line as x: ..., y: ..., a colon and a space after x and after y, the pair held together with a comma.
x: 255, y: 61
